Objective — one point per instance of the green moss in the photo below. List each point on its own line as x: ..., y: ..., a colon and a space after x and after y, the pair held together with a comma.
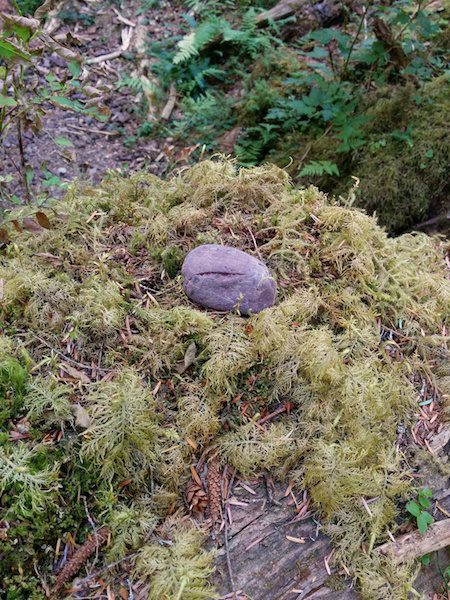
x: 92, y: 290
x: 172, y: 260
x: 403, y: 165
x: 178, y: 567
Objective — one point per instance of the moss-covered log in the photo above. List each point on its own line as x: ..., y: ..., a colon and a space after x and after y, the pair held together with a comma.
x: 94, y: 319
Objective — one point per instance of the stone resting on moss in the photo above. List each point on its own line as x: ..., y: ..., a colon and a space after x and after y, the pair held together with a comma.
x: 225, y: 278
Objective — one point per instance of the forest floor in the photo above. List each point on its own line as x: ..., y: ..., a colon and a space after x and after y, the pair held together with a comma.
x: 273, y: 553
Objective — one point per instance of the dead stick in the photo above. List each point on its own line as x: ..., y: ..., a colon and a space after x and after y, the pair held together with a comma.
x: 413, y: 545
x: 95, y: 60
x: 276, y: 412
x: 170, y: 105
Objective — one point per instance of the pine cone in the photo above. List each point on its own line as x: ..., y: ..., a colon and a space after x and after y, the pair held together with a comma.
x: 196, y: 497
x: 80, y: 556
x: 215, y: 493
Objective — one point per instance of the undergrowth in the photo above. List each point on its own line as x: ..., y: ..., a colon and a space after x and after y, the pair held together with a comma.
x: 314, y: 99
x: 100, y: 424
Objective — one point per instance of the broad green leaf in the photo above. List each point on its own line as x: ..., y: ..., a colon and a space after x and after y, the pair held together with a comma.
x: 29, y: 174
x: 62, y: 141
x: 424, y: 520
x: 424, y: 502
x: 413, y: 508
x: 21, y: 27
x: 7, y: 101
x: 10, y: 52
x: 74, y: 68
x: 66, y: 102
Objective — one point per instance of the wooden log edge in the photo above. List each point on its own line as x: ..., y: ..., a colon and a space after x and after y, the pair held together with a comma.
x: 415, y: 544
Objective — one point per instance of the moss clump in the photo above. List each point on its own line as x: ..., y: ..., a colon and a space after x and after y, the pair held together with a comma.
x: 177, y: 567
x: 402, y: 165
x: 93, y: 290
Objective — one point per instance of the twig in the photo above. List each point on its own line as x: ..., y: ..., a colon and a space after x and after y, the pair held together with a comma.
x: 414, y: 544
x: 91, y: 130
x: 170, y: 104
x: 278, y: 411
x: 127, y: 34
x: 95, y: 60
x: 350, y: 52
x: 23, y: 160
x: 62, y: 355
x: 225, y: 535
x: 123, y: 19
x: 254, y: 242
x: 94, y: 528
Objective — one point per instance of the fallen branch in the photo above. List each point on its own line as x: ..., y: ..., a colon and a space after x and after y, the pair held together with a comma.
x: 281, y: 10
x: 413, y: 545
x: 126, y: 34
x: 170, y: 104
x: 103, y: 57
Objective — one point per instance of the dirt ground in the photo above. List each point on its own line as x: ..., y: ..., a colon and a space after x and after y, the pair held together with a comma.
x: 96, y: 146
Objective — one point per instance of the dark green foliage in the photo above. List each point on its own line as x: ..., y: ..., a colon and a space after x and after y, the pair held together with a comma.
x: 27, y: 7
x: 172, y: 260
x: 312, y: 104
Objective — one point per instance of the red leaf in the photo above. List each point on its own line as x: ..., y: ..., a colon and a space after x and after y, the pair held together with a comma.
x: 4, y: 236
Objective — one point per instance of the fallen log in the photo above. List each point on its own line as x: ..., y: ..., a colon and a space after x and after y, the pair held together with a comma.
x: 306, y: 16
x: 414, y: 544
x: 281, y: 10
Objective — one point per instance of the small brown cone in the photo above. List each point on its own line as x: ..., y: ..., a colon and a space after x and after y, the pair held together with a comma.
x: 196, y: 497
x: 215, y: 493
x: 77, y: 560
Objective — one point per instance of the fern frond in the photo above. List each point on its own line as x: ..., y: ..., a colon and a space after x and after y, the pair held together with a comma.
x: 317, y: 168
x: 192, y: 43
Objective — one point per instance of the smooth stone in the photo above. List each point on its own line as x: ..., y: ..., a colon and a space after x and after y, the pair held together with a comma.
x: 225, y: 278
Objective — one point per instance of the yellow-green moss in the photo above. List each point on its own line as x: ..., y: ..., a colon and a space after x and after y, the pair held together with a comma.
x: 96, y: 287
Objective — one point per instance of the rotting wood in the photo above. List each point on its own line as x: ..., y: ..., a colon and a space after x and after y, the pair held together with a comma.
x: 281, y: 10
x: 267, y: 566
x: 170, y: 104
x: 414, y: 544
x: 305, y: 16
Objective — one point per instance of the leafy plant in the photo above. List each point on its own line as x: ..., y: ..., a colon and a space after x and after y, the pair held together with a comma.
x: 319, y: 167
x: 419, y: 509
x: 24, y: 96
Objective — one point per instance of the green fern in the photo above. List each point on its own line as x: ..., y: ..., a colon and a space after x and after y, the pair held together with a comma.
x: 317, y: 168
x: 192, y: 43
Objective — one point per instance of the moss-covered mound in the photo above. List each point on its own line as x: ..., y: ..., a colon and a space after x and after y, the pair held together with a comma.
x: 403, y: 162
x: 102, y: 417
